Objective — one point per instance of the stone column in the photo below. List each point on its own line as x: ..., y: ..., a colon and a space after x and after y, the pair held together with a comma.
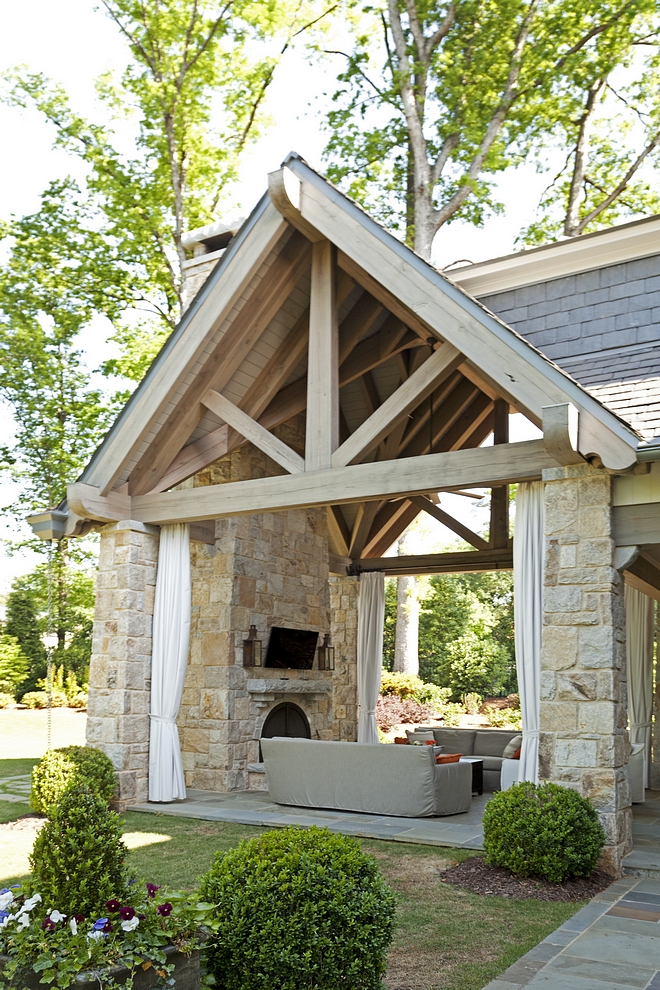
x: 584, y: 739
x: 120, y: 671
x: 343, y: 630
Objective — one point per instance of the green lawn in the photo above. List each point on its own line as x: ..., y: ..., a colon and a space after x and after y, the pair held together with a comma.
x: 446, y: 938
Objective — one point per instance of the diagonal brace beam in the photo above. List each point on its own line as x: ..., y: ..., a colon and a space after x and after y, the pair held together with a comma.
x: 253, y: 431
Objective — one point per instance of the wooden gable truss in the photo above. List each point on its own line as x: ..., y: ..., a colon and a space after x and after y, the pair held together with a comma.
x: 401, y: 376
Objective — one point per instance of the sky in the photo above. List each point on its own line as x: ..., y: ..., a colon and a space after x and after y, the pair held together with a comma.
x: 72, y: 44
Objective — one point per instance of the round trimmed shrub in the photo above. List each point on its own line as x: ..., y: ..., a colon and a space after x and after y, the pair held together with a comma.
x: 544, y: 831
x: 61, y: 768
x: 298, y: 908
x: 78, y: 857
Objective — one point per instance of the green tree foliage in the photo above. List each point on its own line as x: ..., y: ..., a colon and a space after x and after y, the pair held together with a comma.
x: 465, y: 628
x: 22, y: 623
x: 436, y: 99
x: 73, y: 612
x: 14, y: 665
x: 610, y: 132
x: 185, y: 108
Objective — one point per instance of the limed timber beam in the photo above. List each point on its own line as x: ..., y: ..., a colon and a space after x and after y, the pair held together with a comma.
x: 483, y: 466
x: 322, y: 429
x: 636, y: 525
x: 464, y: 562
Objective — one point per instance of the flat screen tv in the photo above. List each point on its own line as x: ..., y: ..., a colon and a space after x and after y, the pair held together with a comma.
x: 291, y: 649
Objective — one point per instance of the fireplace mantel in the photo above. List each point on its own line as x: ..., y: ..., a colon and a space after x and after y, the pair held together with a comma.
x: 266, y: 690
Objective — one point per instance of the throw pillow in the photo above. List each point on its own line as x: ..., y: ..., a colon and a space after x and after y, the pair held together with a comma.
x: 516, y: 755
x: 401, y: 740
x: 511, y: 747
x: 448, y: 758
x: 420, y: 737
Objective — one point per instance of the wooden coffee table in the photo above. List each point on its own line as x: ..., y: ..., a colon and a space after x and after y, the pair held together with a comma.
x: 477, y: 773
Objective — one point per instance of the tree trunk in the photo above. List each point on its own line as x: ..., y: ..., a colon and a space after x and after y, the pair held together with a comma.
x: 406, y: 657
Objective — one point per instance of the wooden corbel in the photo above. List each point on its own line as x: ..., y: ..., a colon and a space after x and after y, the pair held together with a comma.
x: 285, y: 191
x: 560, y: 433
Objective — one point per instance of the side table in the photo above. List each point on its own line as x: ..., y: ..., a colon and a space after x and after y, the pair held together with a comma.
x: 477, y: 773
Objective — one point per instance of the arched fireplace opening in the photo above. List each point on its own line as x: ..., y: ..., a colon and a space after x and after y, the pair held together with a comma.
x: 286, y: 719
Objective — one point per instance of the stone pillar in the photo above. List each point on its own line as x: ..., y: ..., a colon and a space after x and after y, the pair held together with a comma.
x: 343, y: 630
x: 120, y: 671
x: 584, y: 739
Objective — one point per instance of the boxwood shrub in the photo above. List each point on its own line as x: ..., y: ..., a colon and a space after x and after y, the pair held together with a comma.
x: 78, y: 858
x: 544, y: 831
x: 298, y: 908
x: 61, y: 768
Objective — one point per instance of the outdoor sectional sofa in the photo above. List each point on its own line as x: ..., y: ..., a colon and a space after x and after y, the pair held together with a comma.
x: 377, y: 779
x: 485, y: 744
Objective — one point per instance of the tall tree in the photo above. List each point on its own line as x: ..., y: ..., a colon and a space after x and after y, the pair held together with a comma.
x: 456, y: 92
x: 609, y: 133
x: 194, y: 90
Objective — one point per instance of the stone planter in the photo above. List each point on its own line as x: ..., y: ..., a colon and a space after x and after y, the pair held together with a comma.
x: 186, y: 973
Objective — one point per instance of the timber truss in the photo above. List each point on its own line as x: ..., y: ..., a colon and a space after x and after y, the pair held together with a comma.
x: 395, y: 377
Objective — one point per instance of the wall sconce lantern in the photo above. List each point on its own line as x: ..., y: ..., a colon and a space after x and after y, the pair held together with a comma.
x: 326, y: 654
x: 252, y: 653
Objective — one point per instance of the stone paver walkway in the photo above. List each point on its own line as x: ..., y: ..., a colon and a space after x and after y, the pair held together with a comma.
x: 645, y: 857
x: 612, y: 942
x: 257, y: 808
x: 16, y: 788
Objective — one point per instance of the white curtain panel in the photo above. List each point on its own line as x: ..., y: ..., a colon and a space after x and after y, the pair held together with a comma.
x: 639, y: 656
x: 371, y: 618
x: 528, y: 618
x: 171, y: 636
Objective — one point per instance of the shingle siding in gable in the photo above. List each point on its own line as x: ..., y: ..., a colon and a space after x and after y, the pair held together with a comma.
x: 603, y: 328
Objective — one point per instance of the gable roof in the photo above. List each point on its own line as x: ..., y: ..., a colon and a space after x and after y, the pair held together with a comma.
x: 244, y: 339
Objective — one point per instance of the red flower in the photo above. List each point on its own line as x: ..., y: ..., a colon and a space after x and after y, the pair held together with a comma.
x: 112, y: 905
x: 164, y: 910
x: 127, y: 913
x: 107, y: 927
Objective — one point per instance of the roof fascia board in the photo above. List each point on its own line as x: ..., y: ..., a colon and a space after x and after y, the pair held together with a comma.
x: 464, y: 322
x: 570, y: 257
x: 241, y: 259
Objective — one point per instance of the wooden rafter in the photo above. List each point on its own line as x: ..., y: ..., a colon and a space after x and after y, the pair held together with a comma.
x: 392, y: 520
x: 254, y: 432
x: 447, y: 520
x: 338, y: 532
x: 361, y: 527
x: 397, y: 406
x: 219, y: 367
x: 499, y: 496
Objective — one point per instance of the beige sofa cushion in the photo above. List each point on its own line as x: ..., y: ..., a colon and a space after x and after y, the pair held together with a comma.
x: 491, y: 742
x: 456, y: 741
x: 492, y: 762
x: 377, y: 779
x: 417, y: 736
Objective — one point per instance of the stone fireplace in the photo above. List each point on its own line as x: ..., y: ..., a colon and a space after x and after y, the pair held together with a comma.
x: 267, y: 569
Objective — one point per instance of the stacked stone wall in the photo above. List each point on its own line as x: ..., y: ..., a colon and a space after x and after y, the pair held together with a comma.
x: 343, y: 627
x: 584, y: 739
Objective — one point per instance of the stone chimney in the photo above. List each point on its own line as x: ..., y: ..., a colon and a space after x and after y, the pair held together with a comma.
x: 207, y: 244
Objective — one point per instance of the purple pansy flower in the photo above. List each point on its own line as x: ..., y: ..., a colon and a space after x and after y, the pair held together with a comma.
x: 99, y: 924
x: 112, y: 905
x: 151, y: 889
x: 164, y: 910
x: 48, y: 925
x: 127, y: 913
x: 107, y: 927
